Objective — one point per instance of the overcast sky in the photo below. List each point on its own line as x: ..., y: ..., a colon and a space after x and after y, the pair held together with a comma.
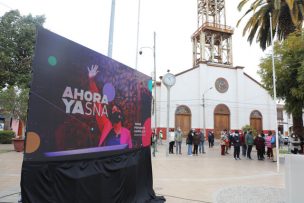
x: 174, y: 21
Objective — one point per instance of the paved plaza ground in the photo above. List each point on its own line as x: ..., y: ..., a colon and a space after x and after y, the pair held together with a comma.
x: 211, y: 177
x: 207, y: 177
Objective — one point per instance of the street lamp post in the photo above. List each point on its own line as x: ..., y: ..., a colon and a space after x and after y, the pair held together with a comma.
x: 111, y: 30
x: 204, y: 114
x: 275, y: 98
x: 169, y: 81
x: 168, y: 121
x: 137, y: 35
x: 154, y: 66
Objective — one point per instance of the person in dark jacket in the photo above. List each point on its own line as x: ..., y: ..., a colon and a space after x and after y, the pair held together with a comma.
x: 201, y: 147
x: 230, y: 137
x: 189, y: 141
x: 263, y: 148
x: 243, y: 143
x: 237, y: 145
x: 260, y: 146
x: 209, y: 139
x: 196, y: 142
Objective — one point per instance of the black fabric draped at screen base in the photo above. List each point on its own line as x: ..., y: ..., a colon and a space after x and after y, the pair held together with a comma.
x: 119, y: 178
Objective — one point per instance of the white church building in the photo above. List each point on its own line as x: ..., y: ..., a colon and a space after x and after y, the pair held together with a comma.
x: 214, y: 94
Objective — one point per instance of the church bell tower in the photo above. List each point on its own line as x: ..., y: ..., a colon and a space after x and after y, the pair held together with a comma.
x: 212, y: 41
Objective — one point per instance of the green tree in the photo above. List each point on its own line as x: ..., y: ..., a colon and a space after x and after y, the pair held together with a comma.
x: 287, y: 17
x: 247, y: 128
x: 14, y: 102
x: 289, y: 64
x: 17, y: 37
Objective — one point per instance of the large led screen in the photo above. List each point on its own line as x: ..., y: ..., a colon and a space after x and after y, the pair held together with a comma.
x: 83, y: 103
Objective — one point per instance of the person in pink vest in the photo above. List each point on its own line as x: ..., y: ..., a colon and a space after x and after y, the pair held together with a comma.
x: 268, y: 145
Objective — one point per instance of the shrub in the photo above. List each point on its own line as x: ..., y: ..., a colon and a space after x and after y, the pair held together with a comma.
x: 248, y: 128
x: 6, y: 136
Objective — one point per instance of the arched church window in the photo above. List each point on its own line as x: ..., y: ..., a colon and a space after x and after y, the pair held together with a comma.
x: 221, y: 109
x: 255, y: 114
x: 182, y: 110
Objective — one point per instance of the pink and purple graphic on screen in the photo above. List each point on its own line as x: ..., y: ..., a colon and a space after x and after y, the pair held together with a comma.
x: 109, y: 90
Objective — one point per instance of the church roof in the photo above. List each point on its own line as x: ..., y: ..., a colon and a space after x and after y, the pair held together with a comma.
x: 251, y: 78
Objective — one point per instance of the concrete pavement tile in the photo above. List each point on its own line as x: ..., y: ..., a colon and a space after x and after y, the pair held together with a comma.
x: 241, y: 194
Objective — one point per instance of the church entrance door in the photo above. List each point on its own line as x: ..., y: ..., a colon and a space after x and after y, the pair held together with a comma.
x: 183, y: 119
x: 256, y: 121
x: 221, y: 119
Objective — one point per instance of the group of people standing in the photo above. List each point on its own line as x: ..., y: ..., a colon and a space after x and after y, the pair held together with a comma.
x: 176, y: 138
x: 195, y: 141
x: 246, y: 141
x: 229, y: 139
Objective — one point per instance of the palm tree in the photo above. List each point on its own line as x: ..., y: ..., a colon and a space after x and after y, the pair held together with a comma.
x: 287, y: 17
x: 296, y: 8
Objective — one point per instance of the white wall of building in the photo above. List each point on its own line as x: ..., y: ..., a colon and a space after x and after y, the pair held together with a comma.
x: 181, y: 95
x: 214, y: 98
x: 257, y: 98
x: 244, y: 95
